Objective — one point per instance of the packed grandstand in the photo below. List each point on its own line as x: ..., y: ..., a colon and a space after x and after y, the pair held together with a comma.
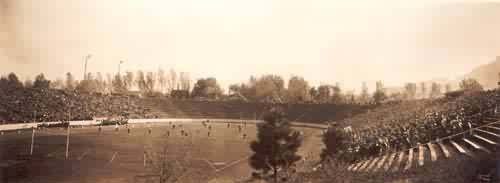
x: 405, y: 125
x: 359, y: 131
x: 39, y: 105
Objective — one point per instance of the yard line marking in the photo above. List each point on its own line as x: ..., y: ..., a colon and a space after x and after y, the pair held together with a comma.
x: 54, y: 153
x: 112, y: 158
x: 83, y: 155
x: 232, y: 163
x: 210, y: 164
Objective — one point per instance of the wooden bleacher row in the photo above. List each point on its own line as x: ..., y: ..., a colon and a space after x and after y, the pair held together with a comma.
x: 483, y: 138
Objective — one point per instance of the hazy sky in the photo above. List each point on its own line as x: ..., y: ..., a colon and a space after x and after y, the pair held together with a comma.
x: 326, y: 41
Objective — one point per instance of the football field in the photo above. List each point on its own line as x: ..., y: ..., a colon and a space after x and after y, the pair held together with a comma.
x: 208, y: 152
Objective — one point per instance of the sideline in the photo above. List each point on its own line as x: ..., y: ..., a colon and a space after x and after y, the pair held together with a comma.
x: 20, y: 126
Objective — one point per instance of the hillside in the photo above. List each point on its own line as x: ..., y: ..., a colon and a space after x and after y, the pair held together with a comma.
x: 316, y: 113
x: 487, y: 74
x: 28, y: 104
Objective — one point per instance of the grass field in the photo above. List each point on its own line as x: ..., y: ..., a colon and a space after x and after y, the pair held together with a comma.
x: 112, y: 156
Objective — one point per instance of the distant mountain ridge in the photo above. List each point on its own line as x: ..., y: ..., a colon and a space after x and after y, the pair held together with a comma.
x: 487, y: 75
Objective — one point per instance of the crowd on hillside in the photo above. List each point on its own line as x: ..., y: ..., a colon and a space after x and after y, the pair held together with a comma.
x: 407, y: 128
x: 28, y: 104
x: 35, y: 104
x: 406, y: 111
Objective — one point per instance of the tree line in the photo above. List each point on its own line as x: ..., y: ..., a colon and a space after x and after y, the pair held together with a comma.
x: 148, y: 83
x: 266, y: 88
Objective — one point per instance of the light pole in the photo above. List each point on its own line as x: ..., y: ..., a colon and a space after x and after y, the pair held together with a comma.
x: 85, y: 68
x: 119, y: 65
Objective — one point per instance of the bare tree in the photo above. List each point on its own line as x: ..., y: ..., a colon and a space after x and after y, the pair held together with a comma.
x: 423, y: 89
x: 118, y: 84
x: 168, y: 83
x: 162, y: 81
x: 109, y: 83
x: 140, y: 81
x: 435, y: 90
x: 379, y: 96
x: 128, y: 80
x: 87, y: 85
x: 150, y: 82
x: 184, y: 81
x: 410, y: 90
x: 173, y: 79
x: 101, y: 84
x: 337, y: 96
x: 364, y: 96
x: 166, y: 168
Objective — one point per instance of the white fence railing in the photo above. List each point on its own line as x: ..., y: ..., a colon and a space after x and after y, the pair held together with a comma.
x: 19, y: 126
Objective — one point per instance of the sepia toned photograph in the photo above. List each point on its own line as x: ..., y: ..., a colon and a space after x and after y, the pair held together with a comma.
x: 249, y: 91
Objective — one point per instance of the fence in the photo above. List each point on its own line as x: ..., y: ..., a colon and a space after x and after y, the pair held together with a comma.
x: 162, y: 120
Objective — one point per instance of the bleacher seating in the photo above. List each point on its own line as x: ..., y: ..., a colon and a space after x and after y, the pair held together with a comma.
x: 483, y: 139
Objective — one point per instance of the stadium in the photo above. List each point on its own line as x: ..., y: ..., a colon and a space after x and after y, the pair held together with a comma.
x: 210, y: 141
x: 263, y: 91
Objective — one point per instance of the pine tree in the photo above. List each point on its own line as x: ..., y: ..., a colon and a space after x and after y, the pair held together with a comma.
x: 335, y: 141
x: 276, y: 145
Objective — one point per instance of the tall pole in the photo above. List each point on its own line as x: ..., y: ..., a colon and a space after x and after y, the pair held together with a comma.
x: 119, y: 65
x: 67, y: 136
x: 85, y: 68
x: 32, y: 140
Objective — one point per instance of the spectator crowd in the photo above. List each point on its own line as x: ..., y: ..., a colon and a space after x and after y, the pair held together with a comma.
x: 426, y: 121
